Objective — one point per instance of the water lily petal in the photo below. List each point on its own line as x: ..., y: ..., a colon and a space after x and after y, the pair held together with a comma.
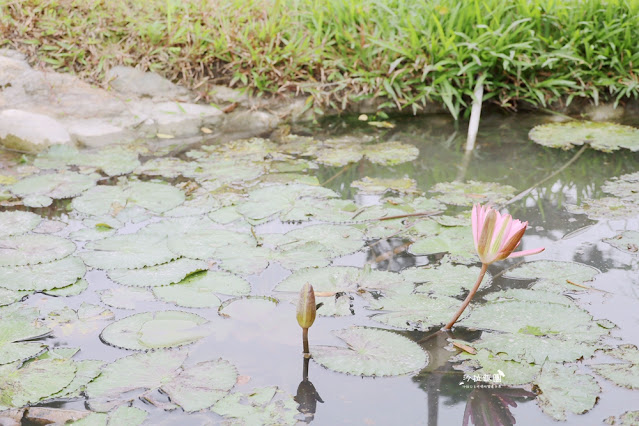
x: 526, y: 252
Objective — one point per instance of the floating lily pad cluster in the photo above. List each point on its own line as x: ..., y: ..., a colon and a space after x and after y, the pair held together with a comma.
x: 623, y: 202
x: 605, y: 137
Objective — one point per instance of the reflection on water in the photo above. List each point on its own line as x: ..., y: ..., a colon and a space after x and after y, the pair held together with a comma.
x: 307, y: 396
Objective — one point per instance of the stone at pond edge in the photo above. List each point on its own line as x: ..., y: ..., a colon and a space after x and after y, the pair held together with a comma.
x: 31, y: 132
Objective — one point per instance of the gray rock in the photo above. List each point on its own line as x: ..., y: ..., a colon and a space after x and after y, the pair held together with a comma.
x: 11, y: 69
x: 98, y: 133
x: 132, y: 81
x: 27, y: 131
x: 175, y: 118
x: 223, y: 95
x: 250, y: 122
x: 604, y: 112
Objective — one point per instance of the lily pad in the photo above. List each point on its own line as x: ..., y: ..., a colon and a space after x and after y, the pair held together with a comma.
x: 159, y: 275
x: 198, y: 290
x: 484, y: 362
x: 71, y: 290
x: 155, y: 330
x: 552, y: 275
x: 7, y: 297
x: 17, y: 222
x: 125, y: 297
x: 624, y: 186
x: 54, y: 186
x: 201, y: 385
x: 339, y: 240
x: 371, y: 352
x: 457, y: 241
x: 43, y: 276
x: 35, y: 381
x: 87, y: 319
x: 33, y: 248
x: 113, y: 161
x: 627, y: 241
x: 390, y: 153
x: 133, y: 374
x: 564, y: 390
x: 262, y: 406
x: 248, y: 309
x: 605, y: 137
x: 128, y: 251
x: 445, y: 279
x: 207, y: 243
x: 18, y: 324
x: 606, y: 208
x: 413, y: 311
x: 623, y: 374
x: 471, y: 192
x: 87, y: 370
x: 369, y: 185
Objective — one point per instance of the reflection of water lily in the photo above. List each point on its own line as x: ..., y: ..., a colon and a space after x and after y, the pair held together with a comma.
x: 496, y: 236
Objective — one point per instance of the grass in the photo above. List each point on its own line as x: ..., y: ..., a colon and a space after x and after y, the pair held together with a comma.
x: 409, y: 52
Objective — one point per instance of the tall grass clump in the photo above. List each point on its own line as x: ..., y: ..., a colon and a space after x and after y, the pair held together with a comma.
x: 409, y: 52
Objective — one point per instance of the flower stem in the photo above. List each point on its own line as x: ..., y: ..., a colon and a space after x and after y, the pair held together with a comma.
x: 452, y: 322
x: 305, y: 340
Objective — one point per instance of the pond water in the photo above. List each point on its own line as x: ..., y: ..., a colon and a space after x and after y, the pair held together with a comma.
x: 263, y: 340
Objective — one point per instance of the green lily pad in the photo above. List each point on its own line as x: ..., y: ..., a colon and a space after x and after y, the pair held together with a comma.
x: 128, y: 251
x: 340, y: 305
x: 457, y: 241
x: 564, y: 390
x: 330, y: 210
x: 248, y: 309
x: 31, y: 249
x: 629, y: 418
x: 552, y: 275
x: 17, y: 324
x: 87, y: 370
x: 100, y: 200
x: 87, y: 319
x: 339, y: 240
x: 155, y: 330
x: 262, y: 406
x: 71, y: 290
x: 390, y: 153
x: 202, y: 385
x: 126, y: 297
x: 54, y: 186
x: 159, y: 275
x: 35, y: 381
x: 623, y: 374
x: 525, y: 295
x: 208, y: 243
x: 371, y: 352
x: 198, y: 290
x: 627, y: 241
x: 133, y: 374
x: 369, y: 185
x: 113, y: 161
x: 445, y: 279
x: 346, y: 279
x: 194, y: 206
x: 7, y: 297
x: 413, y: 311
x: 606, y: 137
x: 486, y: 363
x: 43, y: 276
x: 472, y: 192
x: 17, y: 222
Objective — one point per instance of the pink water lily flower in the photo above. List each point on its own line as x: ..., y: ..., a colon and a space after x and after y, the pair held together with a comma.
x: 497, y: 235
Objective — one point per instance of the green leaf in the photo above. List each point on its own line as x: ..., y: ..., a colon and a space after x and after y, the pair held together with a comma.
x: 128, y: 251
x: 44, y: 276
x: 198, y: 290
x: 262, y: 406
x: 627, y: 241
x: 369, y: 185
x: 445, y: 279
x: 552, y: 275
x: 17, y: 222
x: 472, y: 192
x: 156, y: 276
x: 605, y: 137
x: 371, y: 352
x: 413, y: 311
x: 624, y: 374
x: 56, y: 186
x: 31, y: 249
x: 514, y: 373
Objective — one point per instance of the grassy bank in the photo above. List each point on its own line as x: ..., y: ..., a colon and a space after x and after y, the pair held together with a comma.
x: 533, y: 51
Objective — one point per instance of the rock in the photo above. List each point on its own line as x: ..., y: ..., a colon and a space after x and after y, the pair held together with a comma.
x: 128, y: 81
x: 250, y: 122
x: 98, y: 133
x: 46, y: 415
x: 604, y: 112
x: 222, y: 95
x: 176, y: 118
x: 11, y: 417
x: 11, y: 69
x: 26, y: 131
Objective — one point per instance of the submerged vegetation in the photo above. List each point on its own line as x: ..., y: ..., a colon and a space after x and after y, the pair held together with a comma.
x: 409, y: 53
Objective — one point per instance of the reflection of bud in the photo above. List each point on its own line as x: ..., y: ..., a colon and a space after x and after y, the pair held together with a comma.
x: 306, y: 307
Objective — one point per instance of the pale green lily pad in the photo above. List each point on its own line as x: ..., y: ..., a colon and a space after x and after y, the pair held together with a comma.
x: 133, y: 374
x: 198, y: 290
x: 338, y: 156
x: 629, y: 418
x: 169, y: 167
x: 35, y: 381
x: 201, y: 385
x: 56, y: 186
x: 248, y: 309
x: 87, y: 370
x: 371, y: 352
x: 623, y: 374
x: 43, y: 276
x: 126, y: 297
x: 128, y: 251
x: 564, y: 390
x: 91, y: 234
x: 194, y: 206
x: 552, y: 275
x: 457, y: 241
x: 514, y: 373
x: 262, y: 406
x: 100, y: 200
x: 33, y: 248
x: 525, y: 295
x: 369, y: 185
x: 129, y: 416
x: 624, y: 186
x: 87, y: 319
x: 159, y: 275
x: 113, y: 160
x: 339, y: 240
x: 155, y: 330
x: 627, y: 241
x: 324, y: 210
x: 245, y: 260
x: 206, y: 244
x: 346, y: 279
x: 71, y: 290
x: 340, y: 305
x: 604, y: 137
x: 7, y: 297
x: 390, y: 153
x: 414, y: 311
x: 17, y: 222
x: 606, y: 208
x: 18, y: 323
x: 565, y: 322
x: 37, y: 201
x: 445, y: 279
x: 472, y: 192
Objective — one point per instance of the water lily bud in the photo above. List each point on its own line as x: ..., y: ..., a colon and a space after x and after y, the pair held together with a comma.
x: 306, y: 306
